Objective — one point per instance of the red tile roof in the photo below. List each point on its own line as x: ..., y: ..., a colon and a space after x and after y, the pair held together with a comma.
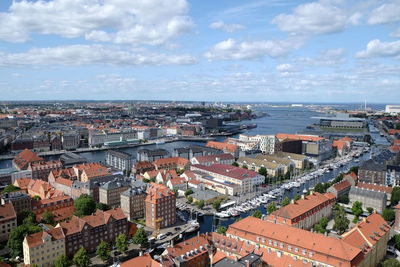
x: 342, y: 185
x: 375, y: 187
x: 159, y: 163
x: 25, y: 157
x: 214, y: 158
x: 190, y: 245
x: 177, y: 181
x: 145, y: 261
x: 157, y: 191
x: 36, y: 239
x: 93, y: 169
x: 282, y: 136
x: 7, y: 212
x: 228, y: 170
x: 232, y: 148
x: 340, y: 145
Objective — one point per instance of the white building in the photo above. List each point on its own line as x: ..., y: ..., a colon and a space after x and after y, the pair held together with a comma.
x: 392, y: 109
x: 268, y: 144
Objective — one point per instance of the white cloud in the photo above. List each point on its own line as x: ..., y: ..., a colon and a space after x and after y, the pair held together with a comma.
x: 90, y: 54
x: 220, y: 25
x: 230, y: 49
x: 396, y: 33
x: 330, y: 58
x: 376, y: 48
x: 285, y: 67
x: 385, y: 13
x: 152, y: 22
x: 315, y: 18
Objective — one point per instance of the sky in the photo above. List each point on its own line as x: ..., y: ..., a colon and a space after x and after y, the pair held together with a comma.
x: 204, y: 50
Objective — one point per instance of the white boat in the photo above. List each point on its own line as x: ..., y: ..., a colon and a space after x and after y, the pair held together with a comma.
x: 194, y: 226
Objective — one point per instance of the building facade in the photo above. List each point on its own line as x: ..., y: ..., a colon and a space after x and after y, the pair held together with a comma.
x: 119, y: 160
x: 8, y: 220
x: 20, y: 200
x: 369, y: 198
x: 109, y: 193
x: 160, y: 206
x: 133, y: 202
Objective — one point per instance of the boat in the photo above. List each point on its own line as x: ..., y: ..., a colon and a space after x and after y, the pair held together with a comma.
x: 160, y: 142
x: 194, y: 226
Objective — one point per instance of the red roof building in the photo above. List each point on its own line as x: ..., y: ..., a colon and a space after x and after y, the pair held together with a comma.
x: 24, y: 158
x: 160, y: 205
x: 173, y: 163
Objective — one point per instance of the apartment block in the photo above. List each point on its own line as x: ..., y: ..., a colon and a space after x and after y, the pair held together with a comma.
x: 119, y: 160
x: 160, y: 206
x: 133, y: 202
x: 109, y: 193
x: 8, y: 220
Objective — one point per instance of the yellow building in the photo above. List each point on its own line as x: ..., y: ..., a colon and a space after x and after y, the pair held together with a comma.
x: 44, y: 248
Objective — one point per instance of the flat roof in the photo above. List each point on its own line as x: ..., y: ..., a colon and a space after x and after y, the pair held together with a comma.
x: 339, y: 118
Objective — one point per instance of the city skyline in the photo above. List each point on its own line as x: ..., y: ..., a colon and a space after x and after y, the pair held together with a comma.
x: 231, y: 51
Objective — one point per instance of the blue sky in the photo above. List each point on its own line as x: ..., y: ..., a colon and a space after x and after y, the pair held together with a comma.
x: 225, y: 50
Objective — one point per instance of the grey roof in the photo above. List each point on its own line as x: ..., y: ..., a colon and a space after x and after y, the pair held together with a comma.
x: 69, y: 156
x: 96, y: 182
x: 116, y: 183
x: 134, y: 191
x: 154, y: 152
x: 119, y: 154
x: 372, y: 165
x: 205, y: 194
x: 367, y: 193
x: 227, y: 262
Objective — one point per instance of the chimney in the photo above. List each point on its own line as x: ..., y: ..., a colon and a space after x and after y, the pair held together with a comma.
x: 140, y: 253
x: 303, y: 196
x: 292, y: 201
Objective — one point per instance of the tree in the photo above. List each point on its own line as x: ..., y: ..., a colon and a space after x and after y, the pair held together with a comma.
x: 395, y: 198
x: 62, y: 261
x: 263, y: 171
x: 36, y: 198
x: 297, y: 197
x: 26, y: 215
x: 391, y: 263
x: 354, y: 169
x: 357, y: 210
x: 388, y: 215
x: 175, y: 190
x: 257, y: 214
x: 216, y: 204
x: 287, y: 175
x: 122, y: 243
x: 285, y: 202
x: 200, y: 204
x: 271, y: 208
x: 140, y: 237
x: 221, y: 230
x: 235, y: 164
x: 338, y: 178
x: 341, y: 222
x: 396, y: 239
x: 320, y: 227
x: 188, y: 192
x: 10, y: 188
x: 370, y: 210
x: 48, y: 217
x: 102, y: 206
x: 344, y: 199
x: 319, y: 188
x: 81, y: 258
x: 244, y: 166
x: 189, y: 199
x: 84, y: 205
x: 18, y: 234
x: 103, y: 251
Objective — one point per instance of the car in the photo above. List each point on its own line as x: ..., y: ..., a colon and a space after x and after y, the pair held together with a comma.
x: 168, y: 234
x: 152, y: 239
x: 177, y: 228
x: 161, y: 236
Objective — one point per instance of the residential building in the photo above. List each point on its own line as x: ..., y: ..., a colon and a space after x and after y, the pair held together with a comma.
x: 193, y: 252
x: 43, y: 248
x: 372, y: 235
x: 8, y: 220
x: 250, y: 260
x: 305, y: 212
x: 301, y: 162
x: 41, y: 170
x: 369, y: 198
x: 109, y: 192
x: 225, y: 147
x: 245, y: 180
x: 341, y: 188
x: 141, y: 167
x: 195, y: 151
x: 151, y: 155
x: 288, y: 164
x: 55, y: 142
x: 178, y: 183
x: 377, y: 187
x: 37, y: 188
x: 119, y: 160
x: 88, y: 171
x: 372, y: 172
x: 20, y: 200
x: 160, y: 206
x: 70, y: 140
x: 352, y: 178
x: 393, y: 175
x: 133, y: 202
x: 144, y: 260
x: 24, y: 158
x: 174, y: 163
x: 62, y: 207
x: 89, y: 231
x: 273, y: 168
x: 213, y: 159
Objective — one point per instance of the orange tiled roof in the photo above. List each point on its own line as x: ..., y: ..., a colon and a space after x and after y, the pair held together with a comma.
x: 189, y: 174
x: 367, y: 232
x: 169, y: 161
x: 353, y: 176
x: 157, y: 191
x: 93, y: 169
x: 302, y: 206
x: 282, y: 136
x: 342, y: 185
x: 189, y: 245
x: 232, y: 148
x: 145, y: 261
x: 36, y: 239
x: 7, y: 212
x: 178, y: 180
x: 339, y: 144
x: 375, y: 187
x: 25, y: 157
x: 60, y: 214
x: 346, y: 139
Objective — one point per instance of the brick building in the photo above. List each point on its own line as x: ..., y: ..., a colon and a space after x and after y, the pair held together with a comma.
x: 24, y: 158
x: 20, y: 200
x: 174, y: 163
x: 160, y: 206
x: 133, y: 202
x: 109, y: 193
x: 8, y: 220
x: 41, y: 170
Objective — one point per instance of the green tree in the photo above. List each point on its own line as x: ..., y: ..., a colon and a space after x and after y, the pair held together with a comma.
x: 344, y: 199
x: 235, y: 164
x: 81, y: 258
x: 319, y: 188
x: 10, y: 188
x: 122, y: 243
x: 62, y: 261
x: 17, y: 236
x: 221, y: 230
x: 396, y: 239
x: 26, y: 215
x: 200, y: 204
x: 287, y: 175
x: 354, y: 169
x: 36, y: 198
x: 140, y: 237
x: 388, y: 214
x: 103, y: 251
x: 391, y: 263
x: 189, y: 199
x: 48, y: 217
x: 244, y: 166
x: 216, y: 204
x: 102, y: 206
x: 188, y: 192
x: 357, y: 210
x: 175, y: 192
x: 263, y: 171
x: 297, y: 197
x: 395, y: 197
x: 338, y: 178
x: 257, y: 214
x: 341, y: 222
x: 285, y: 202
x: 84, y: 205
x: 370, y: 210
x: 271, y: 208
